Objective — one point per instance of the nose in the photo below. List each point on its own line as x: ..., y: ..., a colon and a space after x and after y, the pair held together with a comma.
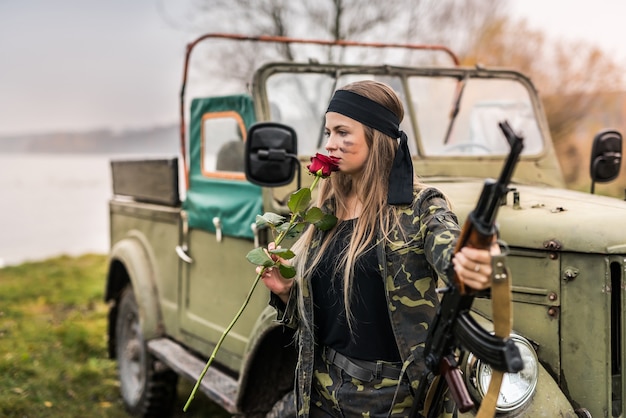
x: 330, y: 143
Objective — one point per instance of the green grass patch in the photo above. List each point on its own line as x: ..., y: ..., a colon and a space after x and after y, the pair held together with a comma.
x: 53, y: 357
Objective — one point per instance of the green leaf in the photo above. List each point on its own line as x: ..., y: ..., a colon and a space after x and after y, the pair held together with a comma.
x: 295, y: 230
x: 313, y: 215
x: 299, y: 201
x: 284, y: 227
x: 285, y: 253
x: 287, y: 271
x: 327, y: 222
x: 259, y: 257
x: 269, y: 218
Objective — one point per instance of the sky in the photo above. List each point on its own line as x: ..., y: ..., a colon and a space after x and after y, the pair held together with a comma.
x: 75, y: 65
x: 600, y: 22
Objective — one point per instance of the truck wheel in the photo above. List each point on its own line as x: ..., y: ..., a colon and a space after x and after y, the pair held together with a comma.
x: 284, y: 408
x: 148, y: 388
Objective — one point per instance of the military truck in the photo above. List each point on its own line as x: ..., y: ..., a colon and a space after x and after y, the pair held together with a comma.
x: 181, y: 228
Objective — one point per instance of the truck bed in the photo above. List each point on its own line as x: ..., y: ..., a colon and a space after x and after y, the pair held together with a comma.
x: 147, y: 181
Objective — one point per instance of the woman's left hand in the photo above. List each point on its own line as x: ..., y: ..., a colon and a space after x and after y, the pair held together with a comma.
x: 473, y: 266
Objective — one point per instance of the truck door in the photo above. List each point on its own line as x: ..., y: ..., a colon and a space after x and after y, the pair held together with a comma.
x: 220, y: 209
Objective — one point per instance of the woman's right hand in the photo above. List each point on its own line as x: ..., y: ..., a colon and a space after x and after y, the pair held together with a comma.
x: 272, y: 278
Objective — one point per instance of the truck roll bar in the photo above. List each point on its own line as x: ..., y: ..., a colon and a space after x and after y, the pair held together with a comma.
x: 282, y: 40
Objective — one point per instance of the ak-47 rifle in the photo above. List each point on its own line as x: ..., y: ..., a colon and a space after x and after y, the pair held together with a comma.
x: 453, y: 328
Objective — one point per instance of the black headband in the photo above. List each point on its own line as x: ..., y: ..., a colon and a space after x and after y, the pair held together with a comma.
x: 377, y: 116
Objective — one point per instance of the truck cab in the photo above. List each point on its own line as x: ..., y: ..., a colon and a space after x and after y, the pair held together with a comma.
x: 181, y: 227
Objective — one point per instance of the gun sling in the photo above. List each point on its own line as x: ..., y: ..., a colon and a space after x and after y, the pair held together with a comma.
x: 502, y: 323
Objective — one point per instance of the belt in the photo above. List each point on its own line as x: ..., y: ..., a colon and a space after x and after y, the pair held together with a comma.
x: 360, y: 369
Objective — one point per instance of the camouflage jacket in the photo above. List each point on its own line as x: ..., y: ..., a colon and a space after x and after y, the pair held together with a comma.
x: 410, y: 261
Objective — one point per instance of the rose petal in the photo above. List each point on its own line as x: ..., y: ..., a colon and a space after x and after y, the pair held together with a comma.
x: 325, y: 163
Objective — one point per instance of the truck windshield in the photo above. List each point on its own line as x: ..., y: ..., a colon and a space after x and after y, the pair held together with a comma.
x: 431, y: 123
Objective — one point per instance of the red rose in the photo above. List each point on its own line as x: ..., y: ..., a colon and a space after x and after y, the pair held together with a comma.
x: 323, y: 165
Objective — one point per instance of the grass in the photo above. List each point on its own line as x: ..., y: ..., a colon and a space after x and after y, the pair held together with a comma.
x: 53, y: 358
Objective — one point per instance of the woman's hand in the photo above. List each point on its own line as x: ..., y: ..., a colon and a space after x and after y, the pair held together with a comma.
x: 272, y: 278
x: 473, y: 266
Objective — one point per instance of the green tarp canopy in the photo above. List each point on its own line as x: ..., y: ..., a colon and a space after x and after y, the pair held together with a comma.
x: 235, y: 202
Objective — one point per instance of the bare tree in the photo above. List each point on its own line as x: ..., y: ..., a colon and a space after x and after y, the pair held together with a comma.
x: 479, y: 31
x: 570, y: 77
x: 445, y: 22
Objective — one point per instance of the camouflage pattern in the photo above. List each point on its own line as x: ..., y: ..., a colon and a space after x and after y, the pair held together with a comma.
x: 411, y: 261
x: 333, y: 387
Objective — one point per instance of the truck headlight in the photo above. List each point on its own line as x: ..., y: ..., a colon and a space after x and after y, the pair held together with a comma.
x: 517, y: 388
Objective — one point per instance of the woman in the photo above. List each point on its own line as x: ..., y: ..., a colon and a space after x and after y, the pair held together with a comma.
x: 365, y: 290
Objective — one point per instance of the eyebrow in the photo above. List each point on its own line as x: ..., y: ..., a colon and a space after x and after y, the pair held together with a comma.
x: 337, y: 127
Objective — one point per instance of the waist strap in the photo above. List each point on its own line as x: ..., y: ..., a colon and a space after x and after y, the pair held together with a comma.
x: 363, y: 370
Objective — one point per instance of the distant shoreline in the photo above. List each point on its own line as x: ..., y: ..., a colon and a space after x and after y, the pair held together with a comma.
x: 162, y: 140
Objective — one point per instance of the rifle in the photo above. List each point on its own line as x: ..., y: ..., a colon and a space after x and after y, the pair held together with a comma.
x: 453, y: 328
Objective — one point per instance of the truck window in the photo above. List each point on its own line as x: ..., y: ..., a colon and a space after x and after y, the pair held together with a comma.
x: 300, y: 101
x: 222, y: 144
x: 483, y: 103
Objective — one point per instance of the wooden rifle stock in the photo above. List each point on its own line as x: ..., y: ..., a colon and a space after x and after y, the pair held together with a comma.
x: 454, y: 379
x: 471, y: 237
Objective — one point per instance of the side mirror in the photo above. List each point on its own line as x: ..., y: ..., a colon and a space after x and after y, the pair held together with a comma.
x: 271, y: 157
x: 606, y: 157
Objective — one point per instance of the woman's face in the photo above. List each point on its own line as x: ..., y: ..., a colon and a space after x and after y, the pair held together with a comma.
x: 346, y: 141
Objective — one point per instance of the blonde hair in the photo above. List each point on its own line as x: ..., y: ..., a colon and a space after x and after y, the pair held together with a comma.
x: 370, y: 188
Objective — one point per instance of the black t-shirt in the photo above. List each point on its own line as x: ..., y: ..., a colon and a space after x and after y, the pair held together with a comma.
x: 372, y: 337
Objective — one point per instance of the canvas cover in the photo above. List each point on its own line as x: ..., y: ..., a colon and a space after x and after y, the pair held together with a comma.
x: 235, y: 202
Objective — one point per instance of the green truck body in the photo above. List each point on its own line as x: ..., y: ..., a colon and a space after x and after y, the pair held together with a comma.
x: 180, y: 229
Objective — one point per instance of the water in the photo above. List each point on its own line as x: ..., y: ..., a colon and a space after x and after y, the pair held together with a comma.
x: 53, y: 204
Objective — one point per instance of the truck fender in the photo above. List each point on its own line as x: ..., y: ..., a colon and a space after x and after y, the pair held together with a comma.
x: 549, y: 399
x: 547, y: 402
x: 130, y: 261
x: 267, y: 371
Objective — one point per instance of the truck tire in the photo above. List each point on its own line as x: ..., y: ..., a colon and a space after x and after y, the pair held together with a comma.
x: 284, y: 408
x: 148, y: 389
